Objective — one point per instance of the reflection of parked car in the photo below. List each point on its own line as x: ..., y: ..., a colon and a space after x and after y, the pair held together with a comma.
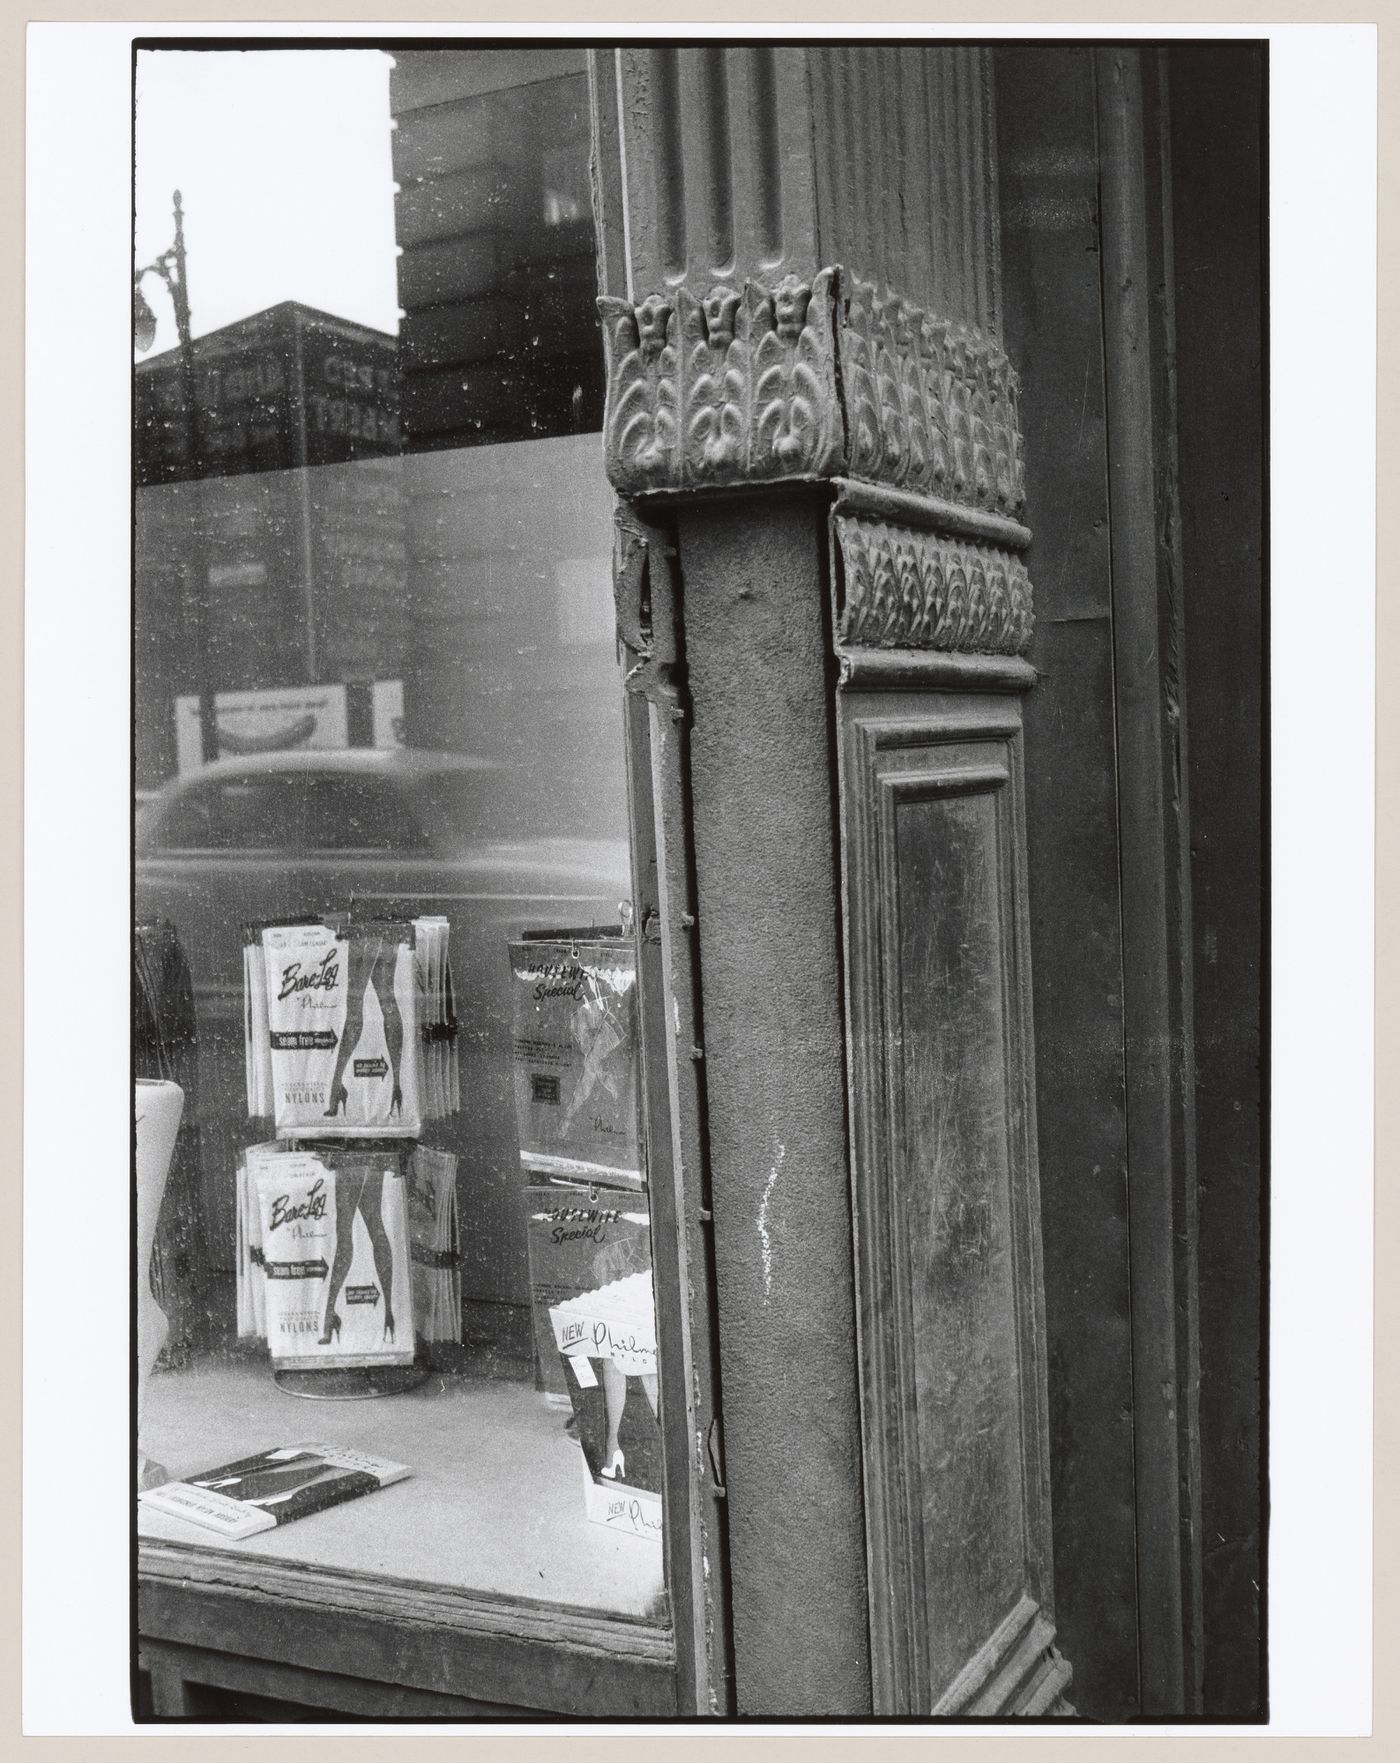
x: 308, y: 832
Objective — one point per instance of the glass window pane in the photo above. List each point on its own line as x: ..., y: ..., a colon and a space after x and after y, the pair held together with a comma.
x: 378, y: 709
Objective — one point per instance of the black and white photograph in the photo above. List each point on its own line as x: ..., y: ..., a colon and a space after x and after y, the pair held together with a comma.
x: 701, y: 739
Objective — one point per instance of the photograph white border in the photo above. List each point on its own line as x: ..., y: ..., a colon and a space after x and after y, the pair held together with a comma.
x: 77, y: 783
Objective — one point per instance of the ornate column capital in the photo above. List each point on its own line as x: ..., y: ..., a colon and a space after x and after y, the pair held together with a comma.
x: 759, y: 384
x: 912, y: 416
x: 736, y: 388
x: 803, y: 287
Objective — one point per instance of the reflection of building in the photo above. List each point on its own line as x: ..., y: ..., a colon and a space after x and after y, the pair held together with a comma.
x: 297, y: 525
x: 511, y: 647
x: 283, y: 388
x: 497, y: 277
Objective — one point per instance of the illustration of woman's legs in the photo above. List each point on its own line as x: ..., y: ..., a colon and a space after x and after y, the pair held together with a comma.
x: 614, y: 1401
x: 381, y: 977
x: 371, y: 1210
x: 649, y: 1387
x: 347, y: 1202
x: 360, y: 965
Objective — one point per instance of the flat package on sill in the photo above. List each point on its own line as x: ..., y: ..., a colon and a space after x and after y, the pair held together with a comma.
x: 274, y: 1487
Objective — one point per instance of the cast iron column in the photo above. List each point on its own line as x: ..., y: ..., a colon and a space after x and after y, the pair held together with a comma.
x: 811, y: 419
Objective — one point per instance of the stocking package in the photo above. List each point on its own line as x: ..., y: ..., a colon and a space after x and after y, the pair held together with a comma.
x: 439, y: 1085
x: 579, y: 1238
x: 326, y: 1238
x: 349, y: 1027
x: 575, y: 1056
x: 354, y: 1203
x: 433, y: 1243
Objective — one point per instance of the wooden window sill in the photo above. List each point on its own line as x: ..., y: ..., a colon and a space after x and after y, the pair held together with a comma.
x: 479, y: 1577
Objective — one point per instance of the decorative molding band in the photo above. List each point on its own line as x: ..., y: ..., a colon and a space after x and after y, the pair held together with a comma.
x: 820, y: 379
x: 928, y: 513
x: 931, y: 404
x: 905, y: 589
x: 914, y: 670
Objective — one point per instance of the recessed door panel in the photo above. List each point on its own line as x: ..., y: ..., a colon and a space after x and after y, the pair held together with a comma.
x: 951, y: 1177
x: 943, y: 1157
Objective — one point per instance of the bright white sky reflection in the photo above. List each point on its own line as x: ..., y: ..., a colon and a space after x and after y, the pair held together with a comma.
x: 283, y: 159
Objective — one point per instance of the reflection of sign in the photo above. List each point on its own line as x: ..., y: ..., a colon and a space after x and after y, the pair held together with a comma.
x: 281, y: 719
x: 355, y: 420
x: 351, y: 387
x: 275, y: 719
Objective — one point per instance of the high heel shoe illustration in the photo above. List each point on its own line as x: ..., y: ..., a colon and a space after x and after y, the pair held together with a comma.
x: 340, y: 1096
x: 616, y: 1467
x: 396, y: 1101
x: 331, y: 1330
x: 388, y: 1323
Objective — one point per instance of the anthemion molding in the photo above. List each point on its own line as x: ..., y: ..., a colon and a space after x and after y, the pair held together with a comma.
x: 753, y: 385
x: 903, y: 588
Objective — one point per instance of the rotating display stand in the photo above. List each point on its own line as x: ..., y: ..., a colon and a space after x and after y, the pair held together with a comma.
x: 340, y: 1004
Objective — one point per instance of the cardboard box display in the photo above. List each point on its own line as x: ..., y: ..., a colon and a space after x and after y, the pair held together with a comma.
x: 607, y: 1340
x: 632, y: 1510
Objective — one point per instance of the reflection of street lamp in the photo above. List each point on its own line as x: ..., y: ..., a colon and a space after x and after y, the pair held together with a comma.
x: 170, y: 267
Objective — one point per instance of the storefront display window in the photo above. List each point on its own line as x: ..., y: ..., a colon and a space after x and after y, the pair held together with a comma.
x: 400, y: 1318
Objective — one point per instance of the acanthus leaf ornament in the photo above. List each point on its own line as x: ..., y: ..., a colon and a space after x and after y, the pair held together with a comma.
x: 736, y: 387
x: 910, y: 589
x: 716, y: 375
x: 642, y: 423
